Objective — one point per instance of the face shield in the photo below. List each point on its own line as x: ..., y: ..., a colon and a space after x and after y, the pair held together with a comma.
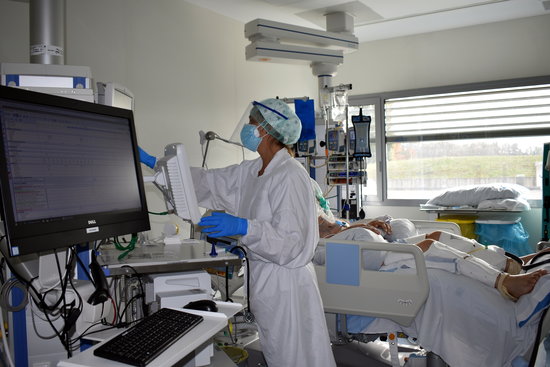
x: 275, y: 117
x: 245, y: 119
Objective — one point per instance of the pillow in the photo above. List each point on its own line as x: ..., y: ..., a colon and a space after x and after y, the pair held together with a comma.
x: 473, y: 195
x: 518, y: 204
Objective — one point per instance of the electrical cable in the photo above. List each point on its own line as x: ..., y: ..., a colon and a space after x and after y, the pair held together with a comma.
x: 64, y: 336
x: 138, y: 276
x: 4, y: 342
x: 84, y: 267
x: 34, y: 304
x: 5, y: 291
x: 115, y: 310
x: 129, y: 303
x: 34, y: 326
x: 2, y: 262
x: 39, y: 298
x: 159, y: 213
x: 250, y: 315
x: 227, y: 299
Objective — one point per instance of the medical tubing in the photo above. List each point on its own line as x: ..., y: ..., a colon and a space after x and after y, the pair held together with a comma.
x: 535, y: 350
x: 127, y: 249
x: 532, y: 264
x: 4, y: 342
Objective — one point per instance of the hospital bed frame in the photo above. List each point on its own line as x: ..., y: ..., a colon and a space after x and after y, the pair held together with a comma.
x: 394, y: 296
x: 347, y: 288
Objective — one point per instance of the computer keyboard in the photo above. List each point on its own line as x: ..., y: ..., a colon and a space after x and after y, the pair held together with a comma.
x: 151, y: 336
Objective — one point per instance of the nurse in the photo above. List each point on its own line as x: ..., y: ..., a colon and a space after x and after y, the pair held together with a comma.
x: 269, y: 202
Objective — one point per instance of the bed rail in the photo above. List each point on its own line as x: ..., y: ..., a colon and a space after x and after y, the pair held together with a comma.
x: 347, y: 288
x: 427, y: 226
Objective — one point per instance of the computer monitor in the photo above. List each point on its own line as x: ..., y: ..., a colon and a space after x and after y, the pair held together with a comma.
x: 173, y: 177
x: 69, y: 172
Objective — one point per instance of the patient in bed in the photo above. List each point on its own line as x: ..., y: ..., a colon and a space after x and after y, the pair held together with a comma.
x: 487, y: 264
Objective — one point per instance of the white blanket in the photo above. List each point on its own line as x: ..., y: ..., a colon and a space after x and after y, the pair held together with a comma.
x: 466, y: 324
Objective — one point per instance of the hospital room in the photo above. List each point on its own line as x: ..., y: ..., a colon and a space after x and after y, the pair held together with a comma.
x: 238, y: 183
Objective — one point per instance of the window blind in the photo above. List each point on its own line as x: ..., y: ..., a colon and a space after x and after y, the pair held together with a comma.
x: 506, y: 112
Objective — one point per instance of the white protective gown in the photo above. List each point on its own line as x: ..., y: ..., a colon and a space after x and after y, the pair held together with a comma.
x: 282, y: 235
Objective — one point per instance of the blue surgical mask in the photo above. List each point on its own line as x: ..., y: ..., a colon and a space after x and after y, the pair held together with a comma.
x: 250, y: 137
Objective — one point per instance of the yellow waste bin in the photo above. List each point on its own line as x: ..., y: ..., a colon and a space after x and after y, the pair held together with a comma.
x: 467, y: 223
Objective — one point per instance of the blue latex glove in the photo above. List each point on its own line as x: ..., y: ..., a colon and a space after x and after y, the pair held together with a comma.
x: 146, y: 158
x: 223, y: 224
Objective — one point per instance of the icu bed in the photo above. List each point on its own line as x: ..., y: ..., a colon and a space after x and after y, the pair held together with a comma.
x: 461, y: 320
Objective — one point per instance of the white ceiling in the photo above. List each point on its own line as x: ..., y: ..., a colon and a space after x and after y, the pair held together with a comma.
x: 381, y: 19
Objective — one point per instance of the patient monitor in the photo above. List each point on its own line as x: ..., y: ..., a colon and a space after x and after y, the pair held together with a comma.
x: 173, y: 178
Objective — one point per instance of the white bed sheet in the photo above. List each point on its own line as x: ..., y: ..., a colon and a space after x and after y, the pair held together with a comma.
x: 466, y: 324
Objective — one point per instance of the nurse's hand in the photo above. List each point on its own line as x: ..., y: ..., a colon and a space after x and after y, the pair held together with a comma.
x: 146, y: 158
x: 223, y: 224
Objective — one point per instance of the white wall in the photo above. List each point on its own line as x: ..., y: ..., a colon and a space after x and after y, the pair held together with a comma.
x: 185, y: 66
x: 503, y: 50
x: 495, y: 51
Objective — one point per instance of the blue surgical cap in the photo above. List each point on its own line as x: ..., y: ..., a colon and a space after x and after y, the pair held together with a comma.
x: 279, y: 120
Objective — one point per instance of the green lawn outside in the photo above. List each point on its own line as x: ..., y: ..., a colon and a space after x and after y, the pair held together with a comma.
x: 463, y: 167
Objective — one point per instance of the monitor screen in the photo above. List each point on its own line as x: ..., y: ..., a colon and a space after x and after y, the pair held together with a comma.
x: 69, y: 172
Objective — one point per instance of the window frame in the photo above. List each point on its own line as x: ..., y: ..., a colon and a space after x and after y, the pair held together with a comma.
x: 378, y: 99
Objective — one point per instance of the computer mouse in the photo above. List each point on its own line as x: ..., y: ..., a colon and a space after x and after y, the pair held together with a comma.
x: 202, y: 305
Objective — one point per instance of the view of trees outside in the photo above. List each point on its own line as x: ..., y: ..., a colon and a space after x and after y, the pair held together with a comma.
x: 418, y: 170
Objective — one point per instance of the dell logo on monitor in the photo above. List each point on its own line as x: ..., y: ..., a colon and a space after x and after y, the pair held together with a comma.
x: 91, y: 221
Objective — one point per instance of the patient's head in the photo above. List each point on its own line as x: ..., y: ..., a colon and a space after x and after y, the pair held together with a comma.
x: 401, y: 228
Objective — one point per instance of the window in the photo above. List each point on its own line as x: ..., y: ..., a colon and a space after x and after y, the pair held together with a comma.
x: 439, y: 138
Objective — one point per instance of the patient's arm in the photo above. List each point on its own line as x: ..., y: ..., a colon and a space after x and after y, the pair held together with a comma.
x: 328, y: 229
x: 377, y: 226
